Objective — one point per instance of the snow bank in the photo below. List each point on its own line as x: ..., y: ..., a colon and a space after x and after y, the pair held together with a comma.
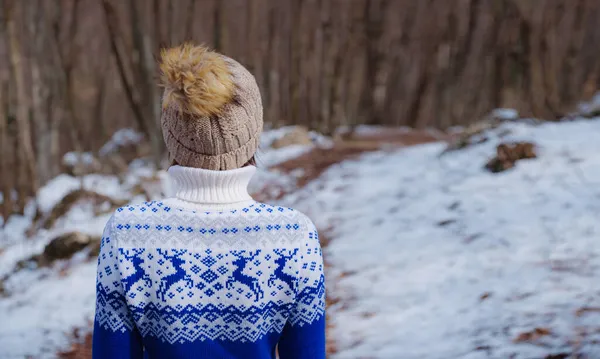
x: 434, y: 257
x: 46, y: 312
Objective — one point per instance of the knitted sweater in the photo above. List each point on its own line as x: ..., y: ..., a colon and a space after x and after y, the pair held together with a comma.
x: 209, y: 274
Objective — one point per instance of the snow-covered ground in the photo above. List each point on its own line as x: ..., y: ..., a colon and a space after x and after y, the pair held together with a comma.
x: 433, y: 257
x: 44, y: 306
x: 430, y: 256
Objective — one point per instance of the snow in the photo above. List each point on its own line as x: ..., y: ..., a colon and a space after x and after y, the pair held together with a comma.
x: 270, y: 181
x: 429, y: 256
x: 268, y: 137
x: 372, y: 130
x: 36, y: 328
x: 122, y: 137
x: 45, y: 305
x: 505, y: 114
x: 273, y: 157
x: 14, y: 229
x: 434, y: 257
x: 75, y: 158
x: 590, y: 106
x: 57, y: 188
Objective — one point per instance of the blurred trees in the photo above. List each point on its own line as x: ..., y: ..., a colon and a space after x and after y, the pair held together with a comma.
x: 74, y: 71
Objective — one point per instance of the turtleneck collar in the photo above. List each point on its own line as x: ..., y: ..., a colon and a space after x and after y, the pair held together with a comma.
x: 200, y: 188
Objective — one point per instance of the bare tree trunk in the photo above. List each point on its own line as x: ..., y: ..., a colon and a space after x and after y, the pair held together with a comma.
x: 53, y: 108
x: 189, y: 21
x: 5, y: 172
x: 375, y: 11
x: 28, y: 181
x: 217, y: 24
x: 144, y: 70
x: 47, y: 166
x: 98, y: 106
x: 111, y: 25
x: 42, y: 124
x: 67, y: 63
x: 142, y: 96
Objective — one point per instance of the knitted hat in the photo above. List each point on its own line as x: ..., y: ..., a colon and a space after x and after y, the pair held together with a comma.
x: 211, y: 109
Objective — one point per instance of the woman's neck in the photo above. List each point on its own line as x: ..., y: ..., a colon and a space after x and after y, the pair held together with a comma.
x: 206, y: 189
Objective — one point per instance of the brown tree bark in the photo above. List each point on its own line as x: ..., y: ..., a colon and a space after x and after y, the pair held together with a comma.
x: 5, y: 170
x: 139, y: 63
x: 28, y: 182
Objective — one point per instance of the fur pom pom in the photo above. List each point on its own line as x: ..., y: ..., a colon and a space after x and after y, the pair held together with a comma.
x: 196, y: 80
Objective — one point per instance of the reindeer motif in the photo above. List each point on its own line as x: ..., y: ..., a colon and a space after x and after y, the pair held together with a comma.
x: 240, y: 277
x: 139, y: 273
x: 168, y: 281
x: 281, y: 262
x: 313, y: 293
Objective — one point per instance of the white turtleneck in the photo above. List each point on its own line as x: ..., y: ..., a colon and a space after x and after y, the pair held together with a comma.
x: 206, y: 189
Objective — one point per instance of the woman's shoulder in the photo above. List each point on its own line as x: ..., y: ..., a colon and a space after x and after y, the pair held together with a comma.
x: 293, y: 216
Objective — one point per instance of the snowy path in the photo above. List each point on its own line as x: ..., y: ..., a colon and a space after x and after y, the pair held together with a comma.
x: 435, y: 258
x: 431, y: 258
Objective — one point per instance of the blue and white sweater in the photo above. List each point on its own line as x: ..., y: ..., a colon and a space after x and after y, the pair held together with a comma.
x: 209, y: 274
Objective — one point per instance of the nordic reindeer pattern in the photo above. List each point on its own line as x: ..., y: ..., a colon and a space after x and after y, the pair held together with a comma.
x: 237, y: 276
x: 134, y: 256
x: 180, y: 274
x: 220, y: 285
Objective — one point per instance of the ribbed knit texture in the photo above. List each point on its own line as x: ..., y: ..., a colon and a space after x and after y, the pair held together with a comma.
x: 212, y: 187
x: 209, y: 274
x: 219, y: 142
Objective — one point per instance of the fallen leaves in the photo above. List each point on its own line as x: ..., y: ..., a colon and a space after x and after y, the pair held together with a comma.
x: 532, y: 336
x: 581, y: 311
x: 508, y: 154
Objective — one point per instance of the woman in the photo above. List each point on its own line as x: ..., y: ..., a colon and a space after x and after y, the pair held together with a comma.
x: 209, y: 273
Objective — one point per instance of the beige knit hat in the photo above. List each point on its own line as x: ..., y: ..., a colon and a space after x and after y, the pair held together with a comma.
x: 211, y: 109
